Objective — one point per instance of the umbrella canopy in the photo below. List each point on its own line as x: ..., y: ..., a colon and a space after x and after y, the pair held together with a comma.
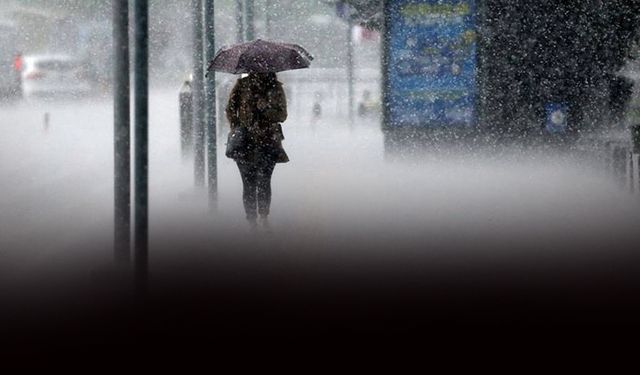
x: 260, y: 56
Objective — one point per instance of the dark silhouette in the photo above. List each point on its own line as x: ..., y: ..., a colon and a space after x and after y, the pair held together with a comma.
x: 316, y: 109
x: 258, y: 103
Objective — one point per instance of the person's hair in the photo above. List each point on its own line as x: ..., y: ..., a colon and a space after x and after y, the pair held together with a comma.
x: 267, y: 79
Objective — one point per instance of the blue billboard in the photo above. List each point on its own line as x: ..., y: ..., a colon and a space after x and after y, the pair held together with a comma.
x: 430, y: 63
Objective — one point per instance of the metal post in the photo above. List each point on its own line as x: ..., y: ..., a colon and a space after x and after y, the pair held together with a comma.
x: 629, y: 170
x: 608, y: 157
x: 141, y: 100
x: 121, y: 133
x: 249, y: 20
x: 635, y: 170
x: 620, y: 165
x: 389, y: 145
x: 267, y: 19
x: 635, y: 158
x: 198, y: 95
x: 350, y: 63
x: 210, y: 100
x: 635, y: 138
x: 186, y: 119
x: 239, y: 21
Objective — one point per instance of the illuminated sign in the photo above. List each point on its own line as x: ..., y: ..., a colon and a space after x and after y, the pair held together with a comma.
x: 431, y: 63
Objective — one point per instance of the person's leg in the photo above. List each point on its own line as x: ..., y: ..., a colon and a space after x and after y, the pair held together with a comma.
x: 249, y: 180
x: 264, y: 187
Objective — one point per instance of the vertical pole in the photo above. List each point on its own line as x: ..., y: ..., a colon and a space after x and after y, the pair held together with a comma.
x: 141, y: 100
x: 635, y: 171
x: 384, y: 89
x: 483, y: 40
x: 620, y: 165
x: 608, y: 157
x: 198, y: 95
x: 121, y: 133
x: 350, y: 63
x: 239, y: 21
x: 629, y: 170
x: 267, y: 19
x: 186, y: 119
x: 210, y: 100
x: 635, y: 138
x: 635, y: 157
x: 249, y: 20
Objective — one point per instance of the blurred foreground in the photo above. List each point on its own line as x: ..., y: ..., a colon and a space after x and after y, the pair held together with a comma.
x: 358, y: 243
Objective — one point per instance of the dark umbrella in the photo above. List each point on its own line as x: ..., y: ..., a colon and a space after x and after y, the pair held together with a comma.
x: 260, y: 56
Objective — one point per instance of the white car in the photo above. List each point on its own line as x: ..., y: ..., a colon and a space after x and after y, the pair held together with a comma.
x: 54, y: 75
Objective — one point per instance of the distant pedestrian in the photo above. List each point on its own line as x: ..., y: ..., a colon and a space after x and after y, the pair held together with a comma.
x: 258, y: 104
x: 316, y: 110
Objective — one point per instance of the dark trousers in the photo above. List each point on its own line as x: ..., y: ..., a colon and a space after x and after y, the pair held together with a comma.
x: 256, y: 181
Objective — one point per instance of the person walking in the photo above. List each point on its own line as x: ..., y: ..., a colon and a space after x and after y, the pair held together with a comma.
x: 258, y: 104
x: 256, y: 108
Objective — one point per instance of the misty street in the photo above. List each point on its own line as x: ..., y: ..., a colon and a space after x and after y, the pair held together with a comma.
x: 338, y: 193
x: 195, y: 169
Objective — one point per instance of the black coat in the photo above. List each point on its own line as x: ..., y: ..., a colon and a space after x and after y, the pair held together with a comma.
x: 260, y: 107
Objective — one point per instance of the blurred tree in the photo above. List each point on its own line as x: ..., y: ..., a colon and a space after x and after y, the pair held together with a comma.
x: 536, y: 53
x: 531, y: 53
